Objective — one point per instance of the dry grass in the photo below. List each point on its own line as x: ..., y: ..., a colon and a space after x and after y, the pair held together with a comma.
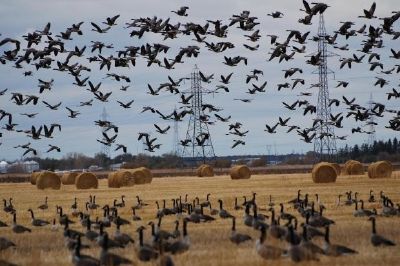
x: 210, y: 244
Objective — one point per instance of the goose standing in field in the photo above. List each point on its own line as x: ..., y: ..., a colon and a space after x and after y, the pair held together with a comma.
x: 307, y: 244
x: 5, y: 243
x: 247, y: 218
x: 266, y: 251
x: 3, y: 224
x: 110, y: 259
x: 358, y: 212
x: 8, y: 208
x: 122, y: 238
x: 236, y: 206
x: 213, y: 211
x: 257, y: 219
x: 134, y: 216
x: 296, y: 252
x: 222, y: 212
x: 335, y: 250
x: 37, y: 222
x: 63, y: 218
x: 44, y: 206
x: 90, y: 234
x: 236, y: 237
x: 79, y: 259
x: 182, y: 244
x: 145, y: 252
x: 275, y: 230
x: 367, y: 212
x: 176, y: 233
x: 17, y: 228
x: 378, y: 240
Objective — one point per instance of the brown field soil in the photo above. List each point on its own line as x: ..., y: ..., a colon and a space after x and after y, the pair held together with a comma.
x: 209, y: 241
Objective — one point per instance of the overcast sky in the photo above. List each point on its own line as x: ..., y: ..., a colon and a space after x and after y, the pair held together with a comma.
x: 79, y: 135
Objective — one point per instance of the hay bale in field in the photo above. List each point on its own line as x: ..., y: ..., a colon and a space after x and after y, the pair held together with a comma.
x: 86, y: 180
x: 324, y: 173
x: 69, y: 178
x: 48, y: 179
x: 34, y: 176
x: 337, y: 168
x: 240, y: 172
x: 353, y: 167
x: 139, y: 176
x: 112, y: 180
x: 205, y: 170
x: 124, y: 178
x: 147, y: 172
x: 380, y: 169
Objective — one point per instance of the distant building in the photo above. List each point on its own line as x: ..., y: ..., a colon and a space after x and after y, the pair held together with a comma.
x: 30, y: 166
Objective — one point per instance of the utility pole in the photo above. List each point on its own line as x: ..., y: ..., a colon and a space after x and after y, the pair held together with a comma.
x: 200, y: 147
x: 325, y: 141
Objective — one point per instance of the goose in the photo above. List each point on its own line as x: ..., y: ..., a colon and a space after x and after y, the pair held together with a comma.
x: 3, y: 224
x: 122, y: 238
x: 89, y: 234
x: 79, y: 259
x: 110, y: 243
x: 44, y: 206
x: 63, y: 218
x: 223, y: 213
x: 176, y: 233
x: 119, y: 220
x: 17, y: 228
x: 296, y: 252
x: 106, y: 221
x: 92, y: 204
x: 294, y: 239
x: 192, y: 216
x: 37, y: 222
x: 274, y: 229
x: 236, y: 206
x: 205, y: 217
x: 54, y: 225
x: 8, y: 208
x: 110, y: 259
x: 378, y: 240
x: 247, y: 218
x: 319, y: 220
x: 213, y: 211
x: 312, y: 231
x: 371, y: 196
x: 335, y: 250
x: 284, y: 215
x: 207, y: 202
x: 70, y: 233
x: 358, y: 212
x: 257, y: 219
x: 183, y: 244
x: 307, y: 244
x: 165, y: 260
x: 236, y: 237
x: 5, y: 243
x: 134, y: 216
x: 367, y: 212
x: 266, y: 251
x: 145, y: 252
x: 121, y: 204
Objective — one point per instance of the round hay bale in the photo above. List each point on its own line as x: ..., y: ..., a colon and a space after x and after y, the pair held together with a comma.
x: 353, y: 167
x: 34, y: 176
x: 112, y: 180
x: 48, y: 179
x: 337, y: 168
x: 240, y: 172
x: 324, y: 173
x: 124, y: 178
x: 69, y: 178
x: 147, y: 172
x: 205, y: 170
x: 380, y: 169
x: 86, y: 180
x: 139, y: 176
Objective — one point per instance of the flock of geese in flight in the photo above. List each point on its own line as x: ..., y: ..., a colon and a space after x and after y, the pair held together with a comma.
x: 41, y: 50
x: 277, y: 234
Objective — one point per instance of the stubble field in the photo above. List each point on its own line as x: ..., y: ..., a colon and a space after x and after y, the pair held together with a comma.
x: 210, y: 243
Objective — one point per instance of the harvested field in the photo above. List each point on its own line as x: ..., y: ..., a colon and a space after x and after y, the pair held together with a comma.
x: 209, y: 241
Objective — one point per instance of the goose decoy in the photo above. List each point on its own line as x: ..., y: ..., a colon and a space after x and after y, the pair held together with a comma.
x: 236, y: 237
x: 17, y: 228
x: 122, y: 238
x: 335, y: 250
x: 37, y: 222
x: 79, y: 259
x: 5, y: 243
x: 223, y: 213
x: 378, y: 240
x: 296, y: 252
x: 267, y: 252
x: 145, y: 252
x: 182, y: 244
x: 110, y: 259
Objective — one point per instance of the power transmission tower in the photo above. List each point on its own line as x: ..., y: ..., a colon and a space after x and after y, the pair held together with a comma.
x: 371, y: 124
x: 105, y: 149
x: 197, y: 127
x: 325, y: 141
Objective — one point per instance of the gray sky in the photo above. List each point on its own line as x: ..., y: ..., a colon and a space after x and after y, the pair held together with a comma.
x: 80, y: 134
